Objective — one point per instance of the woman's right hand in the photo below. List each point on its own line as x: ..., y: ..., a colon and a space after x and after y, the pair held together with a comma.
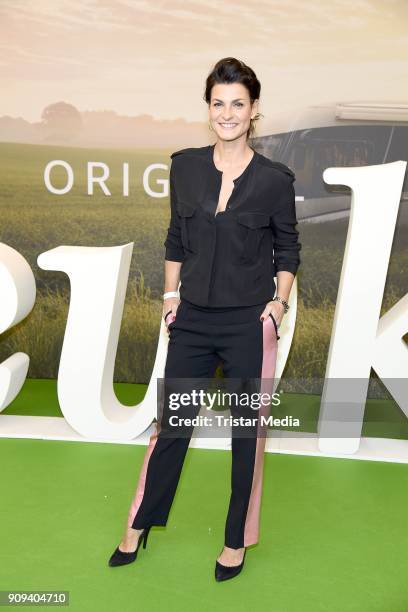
x: 170, y: 306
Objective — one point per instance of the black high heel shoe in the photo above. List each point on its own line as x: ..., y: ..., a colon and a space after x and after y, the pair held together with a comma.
x: 119, y: 557
x: 225, y: 572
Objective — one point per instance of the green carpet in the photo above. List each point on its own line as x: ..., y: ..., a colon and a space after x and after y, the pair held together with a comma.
x: 333, y: 532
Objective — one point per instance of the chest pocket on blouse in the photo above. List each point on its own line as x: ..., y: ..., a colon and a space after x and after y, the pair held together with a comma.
x: 256, y: 225
x: 188, y: 222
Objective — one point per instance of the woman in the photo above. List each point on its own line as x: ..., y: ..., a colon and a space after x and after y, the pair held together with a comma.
x: 232, y: 230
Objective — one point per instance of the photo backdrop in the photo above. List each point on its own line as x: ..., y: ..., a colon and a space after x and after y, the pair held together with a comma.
x: 118, y: 87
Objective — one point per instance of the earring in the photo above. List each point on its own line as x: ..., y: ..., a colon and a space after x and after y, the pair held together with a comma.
x: 210, y: 126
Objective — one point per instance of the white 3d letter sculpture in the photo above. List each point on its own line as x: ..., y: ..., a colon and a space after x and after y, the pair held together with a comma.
x: 99, y: 277
x: 360, y: 340
x: 17, y: 295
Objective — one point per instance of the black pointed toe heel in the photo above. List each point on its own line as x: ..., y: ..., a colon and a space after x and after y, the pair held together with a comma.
x: 119, y: 557
x: 225, y: 572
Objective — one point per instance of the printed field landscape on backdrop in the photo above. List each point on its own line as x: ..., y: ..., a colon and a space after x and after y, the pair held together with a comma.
x: 34, y: 220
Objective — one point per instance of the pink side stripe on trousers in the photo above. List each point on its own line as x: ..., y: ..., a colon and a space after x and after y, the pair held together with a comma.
x: 270, y: 345
x: 137, y: 499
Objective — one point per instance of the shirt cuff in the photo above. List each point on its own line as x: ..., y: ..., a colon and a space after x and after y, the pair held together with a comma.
x: 173, y: 254
x: 286, y: 267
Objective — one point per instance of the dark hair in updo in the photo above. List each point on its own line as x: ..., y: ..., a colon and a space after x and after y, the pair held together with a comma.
x: 232, y: 70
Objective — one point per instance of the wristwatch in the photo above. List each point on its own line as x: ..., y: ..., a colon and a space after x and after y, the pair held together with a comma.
x: 282, y: 301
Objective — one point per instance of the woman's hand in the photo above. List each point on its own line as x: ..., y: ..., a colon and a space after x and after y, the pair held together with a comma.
x: 170, y: 306
x: 276, y: 309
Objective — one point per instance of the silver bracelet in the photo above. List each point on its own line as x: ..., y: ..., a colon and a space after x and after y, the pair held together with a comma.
x: 170, y: 294
x: 282, y: 301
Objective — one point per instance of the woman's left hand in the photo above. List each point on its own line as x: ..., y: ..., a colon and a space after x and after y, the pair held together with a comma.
x: 276, y: 309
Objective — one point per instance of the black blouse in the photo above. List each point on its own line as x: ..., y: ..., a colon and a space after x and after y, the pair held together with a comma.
x: 230, y: 259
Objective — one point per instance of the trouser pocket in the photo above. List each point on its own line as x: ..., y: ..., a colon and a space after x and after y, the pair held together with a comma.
x: 169, y: 318
x: 275, y: 325
x: 178, y: 314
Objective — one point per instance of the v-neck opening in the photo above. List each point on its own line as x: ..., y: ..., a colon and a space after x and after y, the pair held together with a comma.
x: 220, y: 173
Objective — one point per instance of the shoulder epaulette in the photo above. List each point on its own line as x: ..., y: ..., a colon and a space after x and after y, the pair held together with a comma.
x: 181, y: 151
x: 283, y: 168
x: 279, y: 166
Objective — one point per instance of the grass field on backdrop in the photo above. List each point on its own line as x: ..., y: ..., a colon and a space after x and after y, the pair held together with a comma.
x: 34, y: 221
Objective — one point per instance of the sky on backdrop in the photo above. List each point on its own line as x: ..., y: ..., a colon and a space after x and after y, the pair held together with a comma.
x: 143, y: 57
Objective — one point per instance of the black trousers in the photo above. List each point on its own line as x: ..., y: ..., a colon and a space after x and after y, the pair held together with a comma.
x: 201, y: 338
